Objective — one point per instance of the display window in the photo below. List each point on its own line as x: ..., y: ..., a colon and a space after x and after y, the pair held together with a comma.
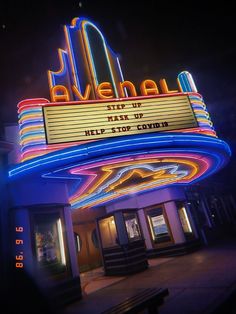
x: 132, y: 226
x: 158, y: 225
x: 108, y: 232
x: 49, y: 242
x: 184, y: 219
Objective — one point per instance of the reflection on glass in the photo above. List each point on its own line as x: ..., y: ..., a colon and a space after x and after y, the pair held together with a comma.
x: 108, y: 232
x: 132, y: 226
x: 158, y: 226
x: 78, y: 243
x: 50, y: 250
x: 95, y: 238
x: 61, y: 242
x: 184, y: 220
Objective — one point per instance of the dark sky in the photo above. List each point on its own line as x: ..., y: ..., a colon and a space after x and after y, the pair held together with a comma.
x: 154, y: 39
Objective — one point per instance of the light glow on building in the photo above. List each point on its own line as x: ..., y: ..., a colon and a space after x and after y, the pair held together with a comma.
x: 160, y: 138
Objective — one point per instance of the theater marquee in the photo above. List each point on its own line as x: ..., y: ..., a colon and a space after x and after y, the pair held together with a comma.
x: 91, y: 121
x: 171, y: 138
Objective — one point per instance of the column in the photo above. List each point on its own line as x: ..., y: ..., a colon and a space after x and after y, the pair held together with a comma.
x: 174, y: 222
x: 145, y: 230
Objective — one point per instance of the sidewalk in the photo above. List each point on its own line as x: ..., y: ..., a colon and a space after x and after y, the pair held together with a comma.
x: 198, y: 283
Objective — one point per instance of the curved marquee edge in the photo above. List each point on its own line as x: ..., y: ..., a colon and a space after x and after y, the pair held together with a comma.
x: 111, y: 147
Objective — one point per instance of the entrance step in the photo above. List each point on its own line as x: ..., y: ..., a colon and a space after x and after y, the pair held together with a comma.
x: 175, y: 250
x: 66, y: 292
x: 125, y: 259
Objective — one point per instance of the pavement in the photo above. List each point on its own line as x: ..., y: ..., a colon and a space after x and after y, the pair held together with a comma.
x: 200, y: 282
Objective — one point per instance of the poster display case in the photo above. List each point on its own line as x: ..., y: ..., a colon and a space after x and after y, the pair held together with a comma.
x: 132, y: 226
x: 49, y: 243
x: 158, y: 225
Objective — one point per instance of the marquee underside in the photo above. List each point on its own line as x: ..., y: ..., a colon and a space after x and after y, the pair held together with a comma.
x: 103, y: 171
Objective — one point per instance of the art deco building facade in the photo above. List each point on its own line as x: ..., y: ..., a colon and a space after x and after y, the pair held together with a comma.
x: 102, y: 175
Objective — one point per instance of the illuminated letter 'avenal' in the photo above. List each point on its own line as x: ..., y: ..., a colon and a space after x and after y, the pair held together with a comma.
x: 86, y: 93
x: 104, y: 90
x: 127, y: 85
x: 149, y: 87
x: 59, y: 93
x: 165, y: 88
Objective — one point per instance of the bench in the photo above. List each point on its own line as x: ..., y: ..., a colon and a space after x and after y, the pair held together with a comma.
x: 150, y: 298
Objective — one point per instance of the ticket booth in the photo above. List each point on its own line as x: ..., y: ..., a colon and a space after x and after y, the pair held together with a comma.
x: 122, y: 243
x: 165, y: 221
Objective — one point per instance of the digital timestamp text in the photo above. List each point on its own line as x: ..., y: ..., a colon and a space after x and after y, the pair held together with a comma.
x: 19, y: 244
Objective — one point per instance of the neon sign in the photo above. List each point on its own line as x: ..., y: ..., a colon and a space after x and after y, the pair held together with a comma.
x: 109, y: 181
x: 89, y: 69
x: 80, y: 77
x: 109, y: 138
x: 105, y: 90
x: 102, y: 171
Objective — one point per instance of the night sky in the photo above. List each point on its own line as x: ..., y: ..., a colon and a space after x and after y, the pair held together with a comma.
x: 153, y: 39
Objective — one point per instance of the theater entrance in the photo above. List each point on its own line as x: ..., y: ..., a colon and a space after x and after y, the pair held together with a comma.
x: 86, y: 238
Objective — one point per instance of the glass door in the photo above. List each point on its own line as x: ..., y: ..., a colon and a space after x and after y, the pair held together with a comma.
x: 108, y: 232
